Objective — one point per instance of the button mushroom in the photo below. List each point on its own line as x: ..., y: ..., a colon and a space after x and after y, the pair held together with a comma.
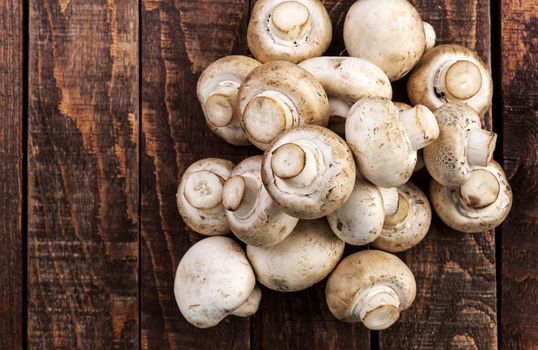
x: 290, y: 31
x: 252, y: 214
x: 213, y: 280
x: 277, y: 96
x: 461, y: 145
x: 371, y: 287
x: 199, y: 196
x: 217, y: 92
x: 301, y: 260
x: 451, y: 73
x: 409, y: 225
x: 346, y: 80
x: 402, y: 106
x: 385, y: 141
x: 308, y: 171
x: 481, y: 203
x: 388, y: 33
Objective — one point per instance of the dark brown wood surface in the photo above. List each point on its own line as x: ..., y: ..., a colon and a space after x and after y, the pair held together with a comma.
x: 519, y: 234
x: 11, y: 175
x: 83, y: 183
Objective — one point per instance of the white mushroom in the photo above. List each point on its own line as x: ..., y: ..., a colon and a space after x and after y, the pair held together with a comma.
x: 479, y: 204
x: 385, y: 141
x: 301, y: 260
x: 213, y: 280
x: 451, y: 73
x: 278, y: 96
x: 409, y: 225
x: 402, y: 106
x: 388, y: 33
x: 346, y: 80
x: 308, y: 171
x: 252, y: 214
x: 217, y: 92
x: 462, y: 144
x: 290, y: 31
x: 199, y: 196
x: 371, y: 287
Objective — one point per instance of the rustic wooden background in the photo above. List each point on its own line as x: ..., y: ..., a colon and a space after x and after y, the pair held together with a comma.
x: 100, y: 119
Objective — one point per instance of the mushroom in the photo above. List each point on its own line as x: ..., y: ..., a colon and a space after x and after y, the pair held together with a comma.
x: 388, y: 33
x: 199, y: 196
x: 251, y: 213
x: 277, y: 96
x: 217, y: 92
x: 402, y: 106
x: 451, y: 73
x: 302, y: 259
x: 371, y: 287
x: 409, y: 225
x: 308, y: 171
x: 462, y: 144
x: 213, y: 280
x: 290, y: 31
x: 346, y: 80
x: 385, y: 141
x: 481, y: 203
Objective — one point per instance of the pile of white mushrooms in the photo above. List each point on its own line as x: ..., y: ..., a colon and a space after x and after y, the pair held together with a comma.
x: 338, y: 156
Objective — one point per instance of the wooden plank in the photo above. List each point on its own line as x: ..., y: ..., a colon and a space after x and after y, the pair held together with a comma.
x: 456, y: 287
x: 179, y: 39
x: 11, y: 185
x: 83, y: 175
x: 519, y: 235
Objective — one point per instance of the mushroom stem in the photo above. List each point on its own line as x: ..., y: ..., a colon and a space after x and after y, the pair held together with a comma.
x: 379, y: 308
x: 480, y: 190
x: 294, y: 164
x: 460, y: 79
x: 420, y: 126
x: 290, y: 21
x: 233, y: 192
x: 400, y: 215
x: 203, y: 189
x: 430, y: 35
x: 220, y: 105
x: 480, y: 146
x: 390, y: 199
x: 250, y: 306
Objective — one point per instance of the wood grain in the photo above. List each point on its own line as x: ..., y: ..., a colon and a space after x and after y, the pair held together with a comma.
x: 83, y: 175
x: 11, y: 185
x: 179, y: 39
x: 455, y: 272
x: 519, y: 236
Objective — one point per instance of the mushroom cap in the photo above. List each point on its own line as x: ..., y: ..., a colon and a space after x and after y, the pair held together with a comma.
x: 301, y: 260
x: 376, y: 136
x: 360, y: 220
x: 454, y: 209
x: 334, y: 175
x: 222, y: 113
x: 447, y: 158
x: 359, y: 275
x: 257, y: 221
x: 204, y: 179
x: 411, y: 224
x: 213, y: 279
x: 301, y: 100
x: 309, y: 17
x: 421, y: 83
x: 388, y: 33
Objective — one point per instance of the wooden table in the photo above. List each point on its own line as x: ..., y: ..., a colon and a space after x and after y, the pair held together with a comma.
x: 100, y: 119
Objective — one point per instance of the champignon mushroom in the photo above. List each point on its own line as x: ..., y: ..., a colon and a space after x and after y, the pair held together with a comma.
x: 217, y: 92
x: 301, y: 260
x: 308, y: 171
x: 385, y: 141
x: 462, y: 144
x: 213, y: 280
x: 346, y: 80
x: 371, y: 287
x: 290, y: 31
x: 278, y: 96
x: 481, y: 203
x: 199, y: 196
x: 409, y: 225
x: 388, y: 33
x: 402, y: 106
x: 251, y: 213
x: 451, y: 73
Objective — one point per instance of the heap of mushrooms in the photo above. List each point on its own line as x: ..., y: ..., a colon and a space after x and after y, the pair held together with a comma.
x: 338, y: 156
